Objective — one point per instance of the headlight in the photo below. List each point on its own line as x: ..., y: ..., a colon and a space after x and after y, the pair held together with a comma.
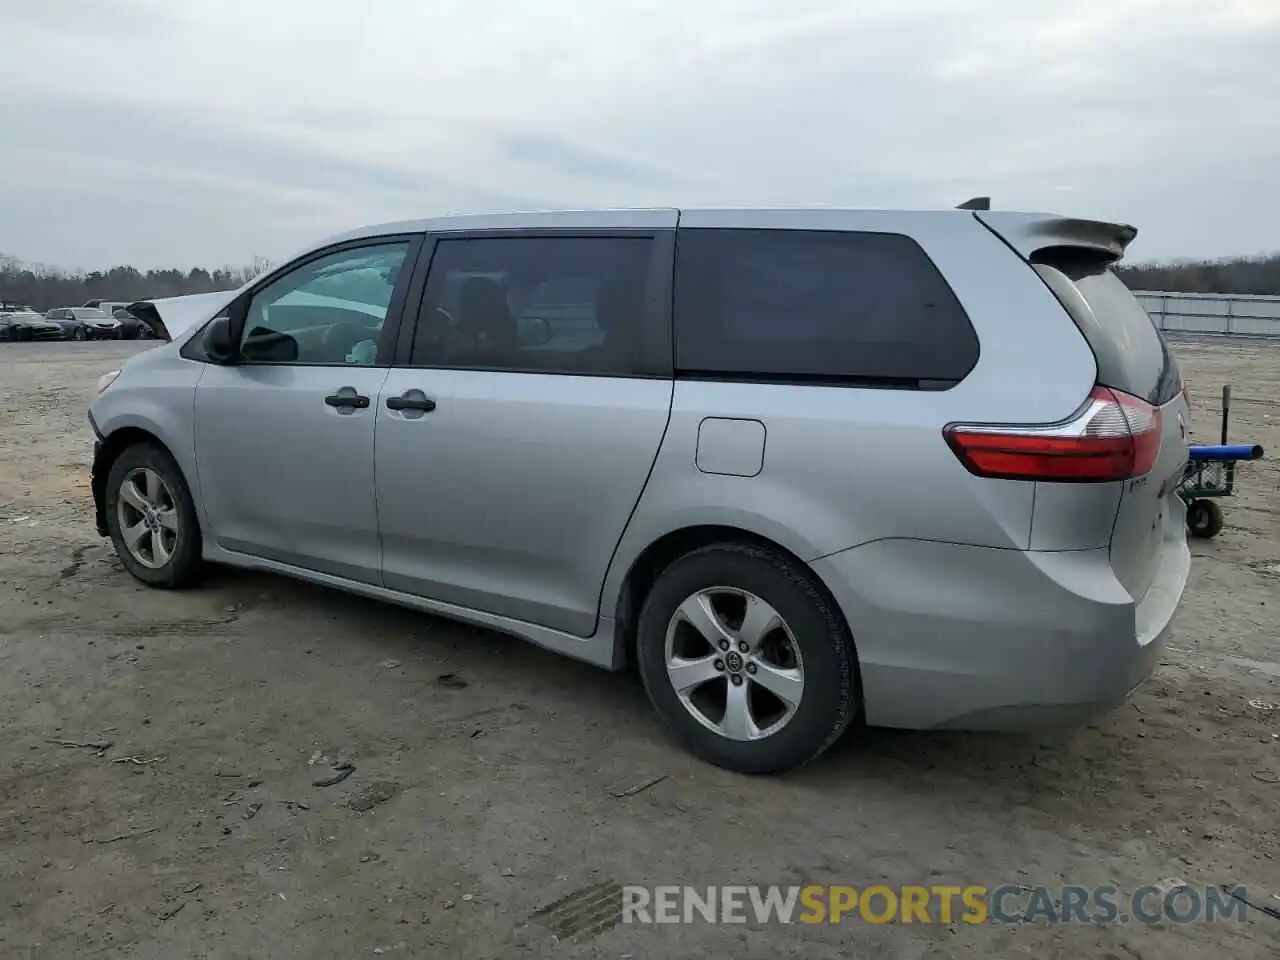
x: 107, y: 379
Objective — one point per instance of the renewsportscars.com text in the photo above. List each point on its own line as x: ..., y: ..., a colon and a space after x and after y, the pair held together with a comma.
x: 1009, y: 903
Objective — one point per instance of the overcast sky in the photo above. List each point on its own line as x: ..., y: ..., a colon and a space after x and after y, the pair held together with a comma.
x: 184, y: 132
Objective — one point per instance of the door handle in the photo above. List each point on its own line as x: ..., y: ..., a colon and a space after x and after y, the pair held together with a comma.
x: 347, y: 399
x: 408, y: 402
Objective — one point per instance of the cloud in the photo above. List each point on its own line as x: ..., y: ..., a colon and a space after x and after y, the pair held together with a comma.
x: 119, y: 18
x: 574, y: 160
x: 263, y: 125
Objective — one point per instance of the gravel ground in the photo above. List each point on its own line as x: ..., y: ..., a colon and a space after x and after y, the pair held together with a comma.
x: 480, y: 799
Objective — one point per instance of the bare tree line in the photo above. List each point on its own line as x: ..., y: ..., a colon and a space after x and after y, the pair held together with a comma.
x: 1236, y: 275
x: 47, y: 287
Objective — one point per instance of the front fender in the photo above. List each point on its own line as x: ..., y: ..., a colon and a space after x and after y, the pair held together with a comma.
x: 154, y: 396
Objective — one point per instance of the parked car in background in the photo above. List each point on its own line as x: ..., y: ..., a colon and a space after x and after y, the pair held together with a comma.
x: 28, y: 325
x: 801, y: 467
x: 131, y: 328
x: 85, y: 323
x: 109, y: 307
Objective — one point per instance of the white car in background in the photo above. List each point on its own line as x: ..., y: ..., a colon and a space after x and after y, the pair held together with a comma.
x: 108, y: 307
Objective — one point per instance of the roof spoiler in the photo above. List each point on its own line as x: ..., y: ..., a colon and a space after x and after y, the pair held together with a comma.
x: 1030, y: 233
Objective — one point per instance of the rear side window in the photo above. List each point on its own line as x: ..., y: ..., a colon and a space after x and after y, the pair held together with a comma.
x: 805, y: 305
x: 1132, y: 354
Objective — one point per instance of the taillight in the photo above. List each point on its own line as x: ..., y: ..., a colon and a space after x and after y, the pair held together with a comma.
x: 1115, y: 436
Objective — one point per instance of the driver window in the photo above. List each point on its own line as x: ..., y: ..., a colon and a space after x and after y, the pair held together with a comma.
x: 328, y: 311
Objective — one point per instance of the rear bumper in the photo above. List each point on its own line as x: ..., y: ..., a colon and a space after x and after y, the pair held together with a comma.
x: 975, y: 638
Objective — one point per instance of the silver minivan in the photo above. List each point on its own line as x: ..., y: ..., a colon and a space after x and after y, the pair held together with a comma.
x: 915, y: 469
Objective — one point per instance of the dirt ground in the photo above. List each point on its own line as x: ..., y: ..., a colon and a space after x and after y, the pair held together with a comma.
x: 479, y: 800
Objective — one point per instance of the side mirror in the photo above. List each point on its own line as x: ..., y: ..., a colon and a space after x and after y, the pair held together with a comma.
x: 218, y: 342
x: 534, y: 332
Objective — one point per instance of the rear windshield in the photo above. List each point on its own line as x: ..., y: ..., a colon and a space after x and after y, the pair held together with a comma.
x: 1132, y: 354
x: 807, y: 305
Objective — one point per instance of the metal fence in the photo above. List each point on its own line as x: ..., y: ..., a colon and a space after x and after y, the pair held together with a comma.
x: 1221, y: 313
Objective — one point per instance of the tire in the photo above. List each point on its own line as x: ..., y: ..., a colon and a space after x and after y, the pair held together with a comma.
x: 79, y: 334
x: 737, y: 574
x: 1204, y: 519
x: 180, y: 538
x: 22, y: 335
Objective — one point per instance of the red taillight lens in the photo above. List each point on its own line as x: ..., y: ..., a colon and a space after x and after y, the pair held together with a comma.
x: 1114, y: 437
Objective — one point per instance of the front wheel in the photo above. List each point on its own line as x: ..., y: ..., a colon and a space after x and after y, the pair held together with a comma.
x: 151, y: 518
x: 1204, y: 518
x: 79, y: 334
x: 746, y: 659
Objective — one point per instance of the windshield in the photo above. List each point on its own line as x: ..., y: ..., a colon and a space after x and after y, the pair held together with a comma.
x: 88, y: 313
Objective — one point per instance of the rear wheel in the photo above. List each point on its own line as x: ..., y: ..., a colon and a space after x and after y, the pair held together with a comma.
x: 746, y: 659
x: 151, y: 518
x: 1204, y: 518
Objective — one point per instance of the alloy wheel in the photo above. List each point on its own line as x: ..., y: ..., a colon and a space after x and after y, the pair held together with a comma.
x: 148, y: 517
x: 734, y: 663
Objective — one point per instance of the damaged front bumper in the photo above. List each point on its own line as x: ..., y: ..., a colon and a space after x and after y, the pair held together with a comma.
x: 98, y: 481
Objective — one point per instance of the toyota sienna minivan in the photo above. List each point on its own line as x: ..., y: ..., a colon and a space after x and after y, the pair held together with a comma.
x: 916, y: 469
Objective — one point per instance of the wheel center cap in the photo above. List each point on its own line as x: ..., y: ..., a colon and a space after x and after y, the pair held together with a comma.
x: 733, y: 660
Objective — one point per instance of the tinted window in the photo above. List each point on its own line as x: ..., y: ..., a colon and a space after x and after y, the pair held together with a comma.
x: 792, y: 304
x: 1131, y: 353
x: 556, y: 304
x: 328, y: 311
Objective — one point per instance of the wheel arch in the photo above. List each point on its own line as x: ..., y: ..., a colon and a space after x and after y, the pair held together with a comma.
x: 670, y: 546
x: 108, y: 450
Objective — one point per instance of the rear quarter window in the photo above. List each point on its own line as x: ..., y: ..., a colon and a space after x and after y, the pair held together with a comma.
x: 1131, y: 353
x: 827, y: 306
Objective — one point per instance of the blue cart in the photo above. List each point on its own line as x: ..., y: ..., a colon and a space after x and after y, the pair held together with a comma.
x: 1211, y: 473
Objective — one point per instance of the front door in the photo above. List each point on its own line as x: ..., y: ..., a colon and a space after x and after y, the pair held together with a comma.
x: 512, y: 450
x: 284, y: 437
